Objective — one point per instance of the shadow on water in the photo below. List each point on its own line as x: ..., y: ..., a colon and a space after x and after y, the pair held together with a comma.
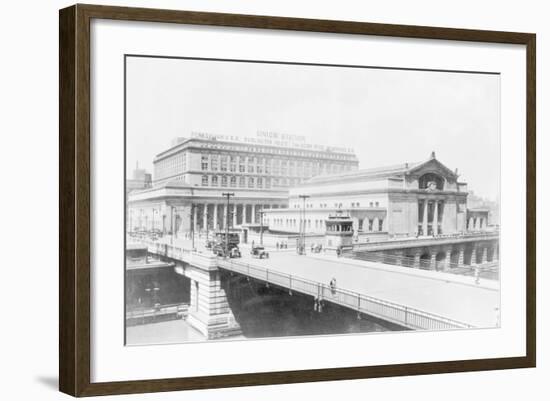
x: 269, y: 311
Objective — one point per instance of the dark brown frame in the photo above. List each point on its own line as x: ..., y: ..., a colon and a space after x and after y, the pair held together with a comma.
x: 74, y: 199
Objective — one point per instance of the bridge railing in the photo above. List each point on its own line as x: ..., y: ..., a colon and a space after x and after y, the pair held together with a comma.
x: 385, y: 310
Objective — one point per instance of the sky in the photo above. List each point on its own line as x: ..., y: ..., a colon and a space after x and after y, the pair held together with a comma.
x: 387, y: 116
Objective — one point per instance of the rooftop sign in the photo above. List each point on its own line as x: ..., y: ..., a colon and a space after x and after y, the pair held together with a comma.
x: 272, y: 138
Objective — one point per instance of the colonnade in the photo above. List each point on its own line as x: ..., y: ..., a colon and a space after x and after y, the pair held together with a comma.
x: 431, y: 226
x: 215, y: 216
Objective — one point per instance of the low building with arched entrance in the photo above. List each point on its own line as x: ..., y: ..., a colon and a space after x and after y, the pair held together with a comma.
x: 406, y: 200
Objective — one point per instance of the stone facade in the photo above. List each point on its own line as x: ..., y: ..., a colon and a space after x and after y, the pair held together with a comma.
x: 412, y: 199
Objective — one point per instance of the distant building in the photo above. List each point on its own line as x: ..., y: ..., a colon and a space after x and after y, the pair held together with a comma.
x: 140, y: 180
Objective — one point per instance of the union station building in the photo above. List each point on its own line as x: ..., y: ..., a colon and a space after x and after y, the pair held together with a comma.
x: 410, y: 199
x: 191, y: 176
x: 290, y: 183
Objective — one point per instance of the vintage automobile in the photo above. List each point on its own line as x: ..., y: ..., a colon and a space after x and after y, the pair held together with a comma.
x: 259, y: 252
x: 232, y: 250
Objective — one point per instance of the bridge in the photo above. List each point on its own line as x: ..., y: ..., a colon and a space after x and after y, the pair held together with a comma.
x: 410, y: 298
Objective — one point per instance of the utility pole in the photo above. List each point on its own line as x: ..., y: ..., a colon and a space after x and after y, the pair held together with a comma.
x: 192, y: 218
x: 302, y: 244
x: 227, y: 195
x: 261, y: 213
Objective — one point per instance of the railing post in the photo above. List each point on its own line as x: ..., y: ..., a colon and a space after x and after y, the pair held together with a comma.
x: 289, y: 284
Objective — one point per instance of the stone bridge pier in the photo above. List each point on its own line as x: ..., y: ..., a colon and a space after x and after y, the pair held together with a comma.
x: 209, y: 310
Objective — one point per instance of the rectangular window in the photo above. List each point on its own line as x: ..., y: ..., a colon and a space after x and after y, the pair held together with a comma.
x: 241, y: 164
x: 204, y: 163
x: 233, y: 181
x: 224, y: 180
x: 204, y: 180
x: 259, y: 182
x: 223, y: 163
x: 241, y: 182
x: 214, y: 180
x: 251, y: 182
x: 214, y: 162
x: 232, y: 164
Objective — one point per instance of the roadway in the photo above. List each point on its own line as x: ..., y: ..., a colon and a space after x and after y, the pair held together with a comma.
x: 456, y: 298
x: 448, y: 295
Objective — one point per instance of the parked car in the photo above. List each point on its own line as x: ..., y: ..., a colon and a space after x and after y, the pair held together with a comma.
x: 259, y: 252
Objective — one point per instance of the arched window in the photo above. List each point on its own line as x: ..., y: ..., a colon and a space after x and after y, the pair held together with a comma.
x: 431, y: 181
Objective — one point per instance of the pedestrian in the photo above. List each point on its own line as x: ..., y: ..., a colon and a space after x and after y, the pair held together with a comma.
x: 332, y: 285
x: 277, y: 245
x: 476, y: 274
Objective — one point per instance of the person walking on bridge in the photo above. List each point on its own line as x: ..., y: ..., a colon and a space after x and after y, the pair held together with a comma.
x: 332, y: 285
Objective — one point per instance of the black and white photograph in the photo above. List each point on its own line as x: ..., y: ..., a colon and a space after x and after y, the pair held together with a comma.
x: 270, y: 199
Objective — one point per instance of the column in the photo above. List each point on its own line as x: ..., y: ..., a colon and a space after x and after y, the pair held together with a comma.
x: 473, y: 258
x: 242, y: 214
x: 205, y: 217
x: 434, y: 220
x: 254, y: 213
x: 484, y: 255
x: 416, y: 263
x: 447, y: 264
x: 432, y: 259
x: 195, y: 225
x: 425, y: 218
x: 234, y: 215
x: 460, y: 261
x: 215, y: 220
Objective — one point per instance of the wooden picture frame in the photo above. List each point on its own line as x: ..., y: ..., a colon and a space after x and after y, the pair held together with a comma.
x: 75, y: 208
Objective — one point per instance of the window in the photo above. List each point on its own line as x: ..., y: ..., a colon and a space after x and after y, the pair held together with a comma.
x: 204, y: 181
x: 233, y: 181
x: 371, y: 221
x: 431, y: 181
x: 224, y: 180
x: 232, y: 164
x: 214, y: 162
x: 214, y: 180
x: 376, y: 204
x: 223, y: 164
x: 370, y: 204
x: 251, y: 182
x: 259, y: 182
x: 241, y: 164
x: 204, y: 163
x: 241, y: 182
x: 380, y: 225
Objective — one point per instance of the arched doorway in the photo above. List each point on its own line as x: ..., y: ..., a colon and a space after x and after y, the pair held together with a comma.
x: 440, y: 260
x: 425, y: 260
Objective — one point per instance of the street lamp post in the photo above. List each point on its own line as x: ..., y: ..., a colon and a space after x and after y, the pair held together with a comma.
x: 302, y: 244
x: 227, y: 195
